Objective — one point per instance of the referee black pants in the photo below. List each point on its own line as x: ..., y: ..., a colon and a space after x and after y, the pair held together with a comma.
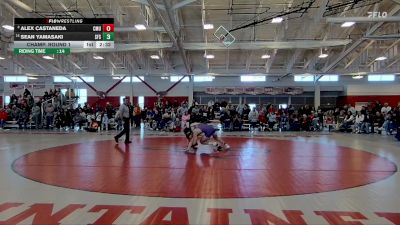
x: 125, y: 130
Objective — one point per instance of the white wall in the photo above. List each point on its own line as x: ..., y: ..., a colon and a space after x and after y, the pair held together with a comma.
x: 102, y: 83
x: 388, y: 89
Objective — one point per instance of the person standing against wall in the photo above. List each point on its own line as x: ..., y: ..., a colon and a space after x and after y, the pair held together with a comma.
x: 124, y: 114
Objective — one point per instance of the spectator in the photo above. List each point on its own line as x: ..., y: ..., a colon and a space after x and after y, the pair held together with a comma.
x: 3, y: 117
x: 379, y: 120
x: 49, y: 115
x: 253, y: 118
x: 13, y: 99
x: 305, y: 123
x: 26, y: 93
x: 386, y: 109
x: 359, y: 122
x: 237, y: 123
x: 37, y: 115
x: 348, y: 121
x: 137, y: 114
x: 185, y: 120
x: 271, y: 120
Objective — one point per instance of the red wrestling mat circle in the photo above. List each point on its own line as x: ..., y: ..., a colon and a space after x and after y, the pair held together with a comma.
x: 157, y: 166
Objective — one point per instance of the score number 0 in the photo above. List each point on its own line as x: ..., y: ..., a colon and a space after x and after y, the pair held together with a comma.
x: 108, y: 27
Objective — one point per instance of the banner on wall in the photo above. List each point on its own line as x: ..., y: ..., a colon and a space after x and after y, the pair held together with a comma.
x: 36, y: 85
x: 61, y: 86
x: 255, y: 90
x: 30, y: 85
x: 17, y: 86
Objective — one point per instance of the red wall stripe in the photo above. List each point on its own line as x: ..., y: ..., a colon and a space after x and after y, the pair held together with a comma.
x: 391, y: 99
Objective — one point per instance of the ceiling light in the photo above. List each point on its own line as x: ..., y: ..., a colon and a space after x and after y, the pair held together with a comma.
x: 116, y: 78
x: 265, y: 56
x: 97, y: 57
x: 208, y: 26
x: 209, y: 56
x: 32, y: 78
x: 140, y: 27
x: 1, y: 58
x: 8, y: 27
x: 74, y: 78
x: 47, y: 57
x: 277, y: 20
x: 155, y: 57
x: 347, y: 24
x: 357, y: 77
x: 164, y: 78
x: 323, y: 55
x: 381, y: 58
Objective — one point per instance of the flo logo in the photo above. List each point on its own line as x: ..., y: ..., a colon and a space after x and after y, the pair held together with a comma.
x: 377, y: 14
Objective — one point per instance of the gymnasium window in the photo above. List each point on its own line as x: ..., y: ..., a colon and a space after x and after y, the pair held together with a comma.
x: 176, y: 78
x: 203, y: 78
x: 134, y: 79
x: 7, y: 100
x: 141, y: 102
x: 252, y: 106
x: 61, y: 79
x: 87, y: 79
x: 282, y: 106
x: 246, y: 78
x: 15, y: 79
x: 304, y: 78
x: 121, y: 99
x: 64, y: 92
x: 382, y: 77
x: 329, y: 78
x: 82, y: 93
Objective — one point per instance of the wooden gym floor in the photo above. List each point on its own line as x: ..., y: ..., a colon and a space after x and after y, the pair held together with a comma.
x: 266, y: 178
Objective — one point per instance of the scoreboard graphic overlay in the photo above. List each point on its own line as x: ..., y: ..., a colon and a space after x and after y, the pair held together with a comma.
x: 60, y: 35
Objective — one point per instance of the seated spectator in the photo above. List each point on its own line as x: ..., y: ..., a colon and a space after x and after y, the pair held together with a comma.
x: 359, y: 122
x: 263, y: 120
x: 386, y: 108
x: 59, y: 119
x: 14, y: 114
x: 3, y: 117
x: 166, y: 118
x: 49, y: 115
x: 348, y: 121
x: 253, y: 119
x: 389, y: 124
x: 369, y: 120
x: 271, y: 120
x: 340, y: 119
x: 246, y: 111
x: 24, y: 115
x: 157, y: 119
x: 237, y: 123
x: 80, y: 118
x: 93, y: 126
x: 37, y: 116
x: 379, y: 120
x: 305, y: 123
x: 69, y: 118
x: 185, y: 120
x: 314, y: 120
x: 284, y: 122
x: 294, y: 122
x: 226, y: 119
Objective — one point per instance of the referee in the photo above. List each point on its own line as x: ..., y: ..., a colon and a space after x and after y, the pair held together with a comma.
x: 124, y: 113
